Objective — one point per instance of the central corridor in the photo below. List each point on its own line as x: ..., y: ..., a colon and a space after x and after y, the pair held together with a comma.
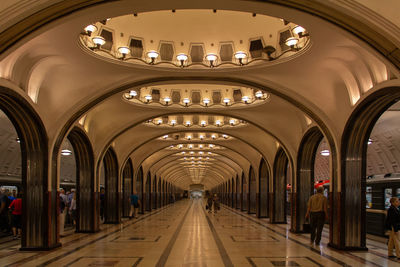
x: 185, y: 234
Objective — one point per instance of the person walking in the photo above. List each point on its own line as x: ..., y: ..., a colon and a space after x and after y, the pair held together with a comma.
x: 16, y: 214
x: 63, y: 210
x: 72, y: 209
x: 393, y: 224
x: 317, y: 211
x: 216, y: 203
x: 135, y: 202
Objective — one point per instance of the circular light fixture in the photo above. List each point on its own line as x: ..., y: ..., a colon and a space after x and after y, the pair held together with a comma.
x: 240, y: 55
x: 165, y: 136
x: 173, y: 122
x: 124, y: 50
x: 132, y: 93
x: 98, y: 40
x: 66, y: 152
x: 211, y: 57
x: 325, y: 152
x: 201, y: 137
x: 291, y: 41
x: 245, y: 99
x: 159, y: 121
x: 206, y: 101
x: 89, y: 29
x: 167, y: 99
x: 152, y: 54
x: 213, y: 136
x: 181, y: 57
x: 226, y: 100
x: 186, y: 101
x: 259, y: 94
x: 369, y: 141
x: 190, y: 146
x: 188, y: 123
x: 225, y: 136
x: 180, y: 146
x: 218, y: 122
x: 232, y: 122
x: 148, y: 98
x: 298, y: 30
x: 188, y: 138
x: 210, y: 145
x: 203, y: 123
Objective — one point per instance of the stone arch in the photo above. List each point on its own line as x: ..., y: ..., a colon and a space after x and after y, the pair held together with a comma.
x: 148, y: 192
x: 244, y: 193
x: 252, y: 196
x: 127, y: 185
x: 139, y: 188
x: 278, y: 196
x: 352, y: 231
x: 86, y: 201
x: 112, y: 204
x: 304, y: 185
x: 39, y: 216
x: 263, y: 190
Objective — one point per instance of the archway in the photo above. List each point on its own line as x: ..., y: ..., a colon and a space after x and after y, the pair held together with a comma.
x: 278, y: 200
x: 238, y: 192
x: 127, y: 179
x: 244, y: 193
x: 252, y: 191
x: 112, y: 205
x: 263, y: 189
x: 304, y: 186
x: 86, y: 202
x: 148, y: 192
x: 351, y: 232
x: 139, y: 189
x: 39, y: 217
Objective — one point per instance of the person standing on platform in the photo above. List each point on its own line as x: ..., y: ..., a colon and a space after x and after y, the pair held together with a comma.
x: 317, y: 211
x: 16, y: 214
x: 63, y: 210
x: 393, y: 224
x: 135, y: 202
x: 216, y: 203
x: 209, y: 202
x: 4, y: 203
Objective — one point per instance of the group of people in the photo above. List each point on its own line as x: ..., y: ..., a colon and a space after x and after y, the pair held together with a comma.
x: 67, y: 208
x: 212, y: 203
x: 11, y: 212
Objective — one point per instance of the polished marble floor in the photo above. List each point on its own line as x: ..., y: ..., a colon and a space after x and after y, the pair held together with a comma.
x: 185, y: 234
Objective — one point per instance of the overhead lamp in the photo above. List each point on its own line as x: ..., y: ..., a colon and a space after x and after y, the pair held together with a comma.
x: 200, y: 146
x: 201, y: 137
x: 259, y: 94
x: 89, y: 29
x: 180, y: 146
x: 182, y: 58
x: 300, y: 31
x: 173, y: 122
x: 185, y: 158
x: 201, y: 152
x: 325, y: 152
x: 245, y: 99
x: 226, y: 100
x: 183, y: 152
x: 207, y: 158
x: 123, y: 50
x: 211, y: 58
x: 218, y: 123
x: 291, y: 41
x: 240, y: 56
x: 18, y: 140
x: 153, y: 55
x: 188, y: 123
x: 210, y: 145
x: 192, y: 158
x: 167, y: 99
x: 203, y: 123
x: 225, y: 136
x: 232, y: 122
x: 213, y: 136
x: 369, y: 141
x: 190, y: 146
x: 209, y: 153
x: 189, y: 137
x: 132, y: 93
x: 186, y: 101
x: 191, y: 152
x: 159, y: 121
x: 165, y: 136
x: 98, y: 41
x: 148, y: 98
x: 66, y: 152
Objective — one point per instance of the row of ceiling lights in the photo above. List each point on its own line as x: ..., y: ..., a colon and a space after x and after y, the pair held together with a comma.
x: 201, y: 137
x: 203, y: 123
x: 182, y: 58
x: 206, y: 101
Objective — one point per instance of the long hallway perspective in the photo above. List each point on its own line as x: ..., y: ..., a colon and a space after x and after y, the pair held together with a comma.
x: 185, y: 234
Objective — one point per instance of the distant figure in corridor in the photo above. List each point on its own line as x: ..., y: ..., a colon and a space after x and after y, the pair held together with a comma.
x: 16, y: 220
x: 317, y: 211
x: 216, y: 203
x: 209, y: 202
x: 393, y: 224
x: 135, y: 202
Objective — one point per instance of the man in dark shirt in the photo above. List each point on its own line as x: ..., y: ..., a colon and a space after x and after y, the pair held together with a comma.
x: 4, y: 203
x: 135, y: 202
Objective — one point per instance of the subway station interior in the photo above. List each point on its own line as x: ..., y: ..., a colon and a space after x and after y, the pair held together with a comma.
x: 254, y: 103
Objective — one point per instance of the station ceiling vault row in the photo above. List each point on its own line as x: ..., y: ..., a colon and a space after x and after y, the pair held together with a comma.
x: 235, y: 76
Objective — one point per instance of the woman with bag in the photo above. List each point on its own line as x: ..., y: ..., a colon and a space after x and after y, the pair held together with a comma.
x: 393, y: 223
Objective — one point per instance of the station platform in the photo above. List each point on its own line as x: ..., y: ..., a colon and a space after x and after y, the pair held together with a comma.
x: 185, y: 234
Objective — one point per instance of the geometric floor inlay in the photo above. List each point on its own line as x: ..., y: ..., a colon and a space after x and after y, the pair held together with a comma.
x: 282, y: 261
x: 130, y: 238
x: 105, y: 261
x: 253, y: 238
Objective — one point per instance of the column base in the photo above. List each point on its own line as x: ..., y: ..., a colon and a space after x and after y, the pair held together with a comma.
x: 347, y: 248
x: 87, y: 231
x: 41, y: 248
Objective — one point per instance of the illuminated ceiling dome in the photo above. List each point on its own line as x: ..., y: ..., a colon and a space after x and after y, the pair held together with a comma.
x: 194, y: 39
